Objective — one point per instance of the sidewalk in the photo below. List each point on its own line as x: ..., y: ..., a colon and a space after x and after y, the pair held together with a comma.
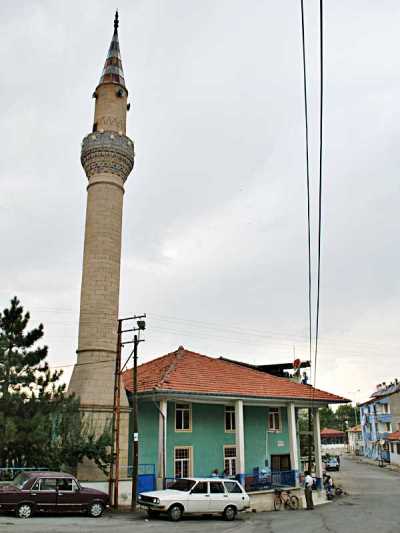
x: 366, y: 460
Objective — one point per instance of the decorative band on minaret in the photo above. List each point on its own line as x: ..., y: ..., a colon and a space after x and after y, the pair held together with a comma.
x: 107, y: 157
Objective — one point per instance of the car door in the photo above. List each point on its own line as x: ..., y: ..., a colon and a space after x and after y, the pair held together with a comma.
x: 236, y: 495
x: 44, y: 494
x: 68, y: 497
x: 198, y: 500
x: 218, y: 497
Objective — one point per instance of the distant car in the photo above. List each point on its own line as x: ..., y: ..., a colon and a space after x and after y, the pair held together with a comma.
x: 51, y: 492
x: 332, y: 464
x: 197, y: 496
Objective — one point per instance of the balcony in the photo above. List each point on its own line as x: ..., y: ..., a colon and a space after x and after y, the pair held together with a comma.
x: 382, y: 435
x: 384, y: 417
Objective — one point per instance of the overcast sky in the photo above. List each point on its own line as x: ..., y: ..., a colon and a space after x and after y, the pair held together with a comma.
x: 214, y: 230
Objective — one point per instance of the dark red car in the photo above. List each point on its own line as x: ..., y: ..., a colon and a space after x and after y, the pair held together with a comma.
x: 51, y: 492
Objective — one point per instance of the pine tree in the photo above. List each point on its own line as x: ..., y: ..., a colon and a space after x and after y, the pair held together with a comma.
x: 40, y: 426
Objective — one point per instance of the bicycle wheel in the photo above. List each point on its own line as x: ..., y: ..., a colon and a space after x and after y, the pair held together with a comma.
x: 294, y: 502
x: 277, y: 503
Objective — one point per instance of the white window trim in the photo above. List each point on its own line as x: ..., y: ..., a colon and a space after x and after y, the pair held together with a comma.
x: 234, y: 418
x: 190, y: 469
x: 190, y: 419
x: 236, y: 455
x: 273, y: 430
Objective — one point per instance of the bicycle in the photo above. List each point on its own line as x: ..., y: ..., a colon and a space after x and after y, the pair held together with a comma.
x: 285, y: 498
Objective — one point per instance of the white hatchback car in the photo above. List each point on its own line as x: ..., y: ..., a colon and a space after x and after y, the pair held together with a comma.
x: 197, y: 495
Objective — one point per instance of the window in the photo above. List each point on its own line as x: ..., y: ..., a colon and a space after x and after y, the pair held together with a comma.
x: 200, y: 488
x: 388, y: 427
x: 183, y: 485
x: 48, y: 484
x: 398, y: 448
x: 183, y: 464
x: 67, y: 484
x: 36, y: 485
x: 230, y: 422
x: 216, y: 487
x: 233, y: 487
x: 274, y: 419
x: 230, y: 460
x: 385, y: 408
x: 183, y: 417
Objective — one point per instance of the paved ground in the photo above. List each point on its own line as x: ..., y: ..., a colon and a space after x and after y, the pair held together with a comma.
x: 372, y: 506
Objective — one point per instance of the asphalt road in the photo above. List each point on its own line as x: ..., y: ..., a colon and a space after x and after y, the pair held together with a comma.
x: 372, y: 505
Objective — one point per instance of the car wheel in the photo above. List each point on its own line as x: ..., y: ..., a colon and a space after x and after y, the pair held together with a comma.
x: 95, y: 509
x: 25, y: 510
x: 230, y: 513
x: 175, y: 512
x: 151, y: 513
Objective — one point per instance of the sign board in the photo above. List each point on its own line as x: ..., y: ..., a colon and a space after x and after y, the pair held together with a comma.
x: 135, y: 437
x: 280, y: 443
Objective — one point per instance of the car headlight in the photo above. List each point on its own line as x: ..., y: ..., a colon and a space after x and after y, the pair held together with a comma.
x: 156, y: 500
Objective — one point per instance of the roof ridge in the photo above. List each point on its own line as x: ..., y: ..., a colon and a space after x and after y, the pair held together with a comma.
x: 178, y: 354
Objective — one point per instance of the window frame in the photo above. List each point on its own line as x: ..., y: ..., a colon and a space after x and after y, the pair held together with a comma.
x: 229, y: 458
x: 275, y: 411
x: 177, y: 430
x: 189, y: 459
x: 232, y: 418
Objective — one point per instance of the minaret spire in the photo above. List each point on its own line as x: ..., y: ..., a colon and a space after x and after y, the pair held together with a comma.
x: 116, y: 22
x: 112, y: 71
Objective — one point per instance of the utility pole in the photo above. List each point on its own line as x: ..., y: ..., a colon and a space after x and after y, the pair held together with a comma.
x: 135, y: 456
x: 114, y: 467
x: 113, y: 487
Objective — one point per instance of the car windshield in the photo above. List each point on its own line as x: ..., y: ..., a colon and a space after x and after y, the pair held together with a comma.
x: 183, y: 484
x: 19, y: 480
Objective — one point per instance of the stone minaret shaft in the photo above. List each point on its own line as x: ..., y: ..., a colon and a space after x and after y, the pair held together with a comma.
x: 107, y: 157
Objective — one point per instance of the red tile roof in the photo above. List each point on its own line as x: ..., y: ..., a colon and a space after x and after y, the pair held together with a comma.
x: 186, y: 371
x: 394, y: 436
x: 327, y: 432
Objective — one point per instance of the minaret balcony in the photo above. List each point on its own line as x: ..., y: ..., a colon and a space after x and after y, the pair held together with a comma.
x: 107, y: 153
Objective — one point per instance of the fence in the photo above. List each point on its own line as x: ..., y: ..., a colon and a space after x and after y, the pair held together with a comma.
x: 9, y: 473
x: 258, y: 480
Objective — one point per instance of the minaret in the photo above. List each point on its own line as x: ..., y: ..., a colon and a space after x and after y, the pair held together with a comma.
x: 107, y: 157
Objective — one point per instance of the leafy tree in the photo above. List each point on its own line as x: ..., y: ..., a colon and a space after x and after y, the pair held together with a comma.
x: 328, y: 418
x: 40, y: 426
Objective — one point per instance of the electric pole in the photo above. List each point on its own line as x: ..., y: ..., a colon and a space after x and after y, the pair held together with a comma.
x: 115, y: 447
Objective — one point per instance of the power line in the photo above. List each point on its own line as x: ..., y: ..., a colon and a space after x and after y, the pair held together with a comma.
x: 321, y: 33
x: 308, y: 178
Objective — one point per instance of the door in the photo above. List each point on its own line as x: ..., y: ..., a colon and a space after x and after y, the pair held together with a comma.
x: 218, y: 497
x: 280, y: 463
x: 44, y: 494
x: 199, y: 498
x: 236, y: 496
x: 68, y: 496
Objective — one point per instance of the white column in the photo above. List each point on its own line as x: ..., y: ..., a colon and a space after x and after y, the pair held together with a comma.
x: 317, y: 445
x: 292, y: 426
x: 162, y: 444
x: 239, y: 439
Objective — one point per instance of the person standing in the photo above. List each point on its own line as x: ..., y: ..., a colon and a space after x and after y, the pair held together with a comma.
x: 308, y: 485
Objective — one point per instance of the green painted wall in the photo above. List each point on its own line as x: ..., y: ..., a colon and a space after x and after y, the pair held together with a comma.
x: 278, y: 443
x: 148, y: 434
x: 207, y: 437
x: 255, y: 435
